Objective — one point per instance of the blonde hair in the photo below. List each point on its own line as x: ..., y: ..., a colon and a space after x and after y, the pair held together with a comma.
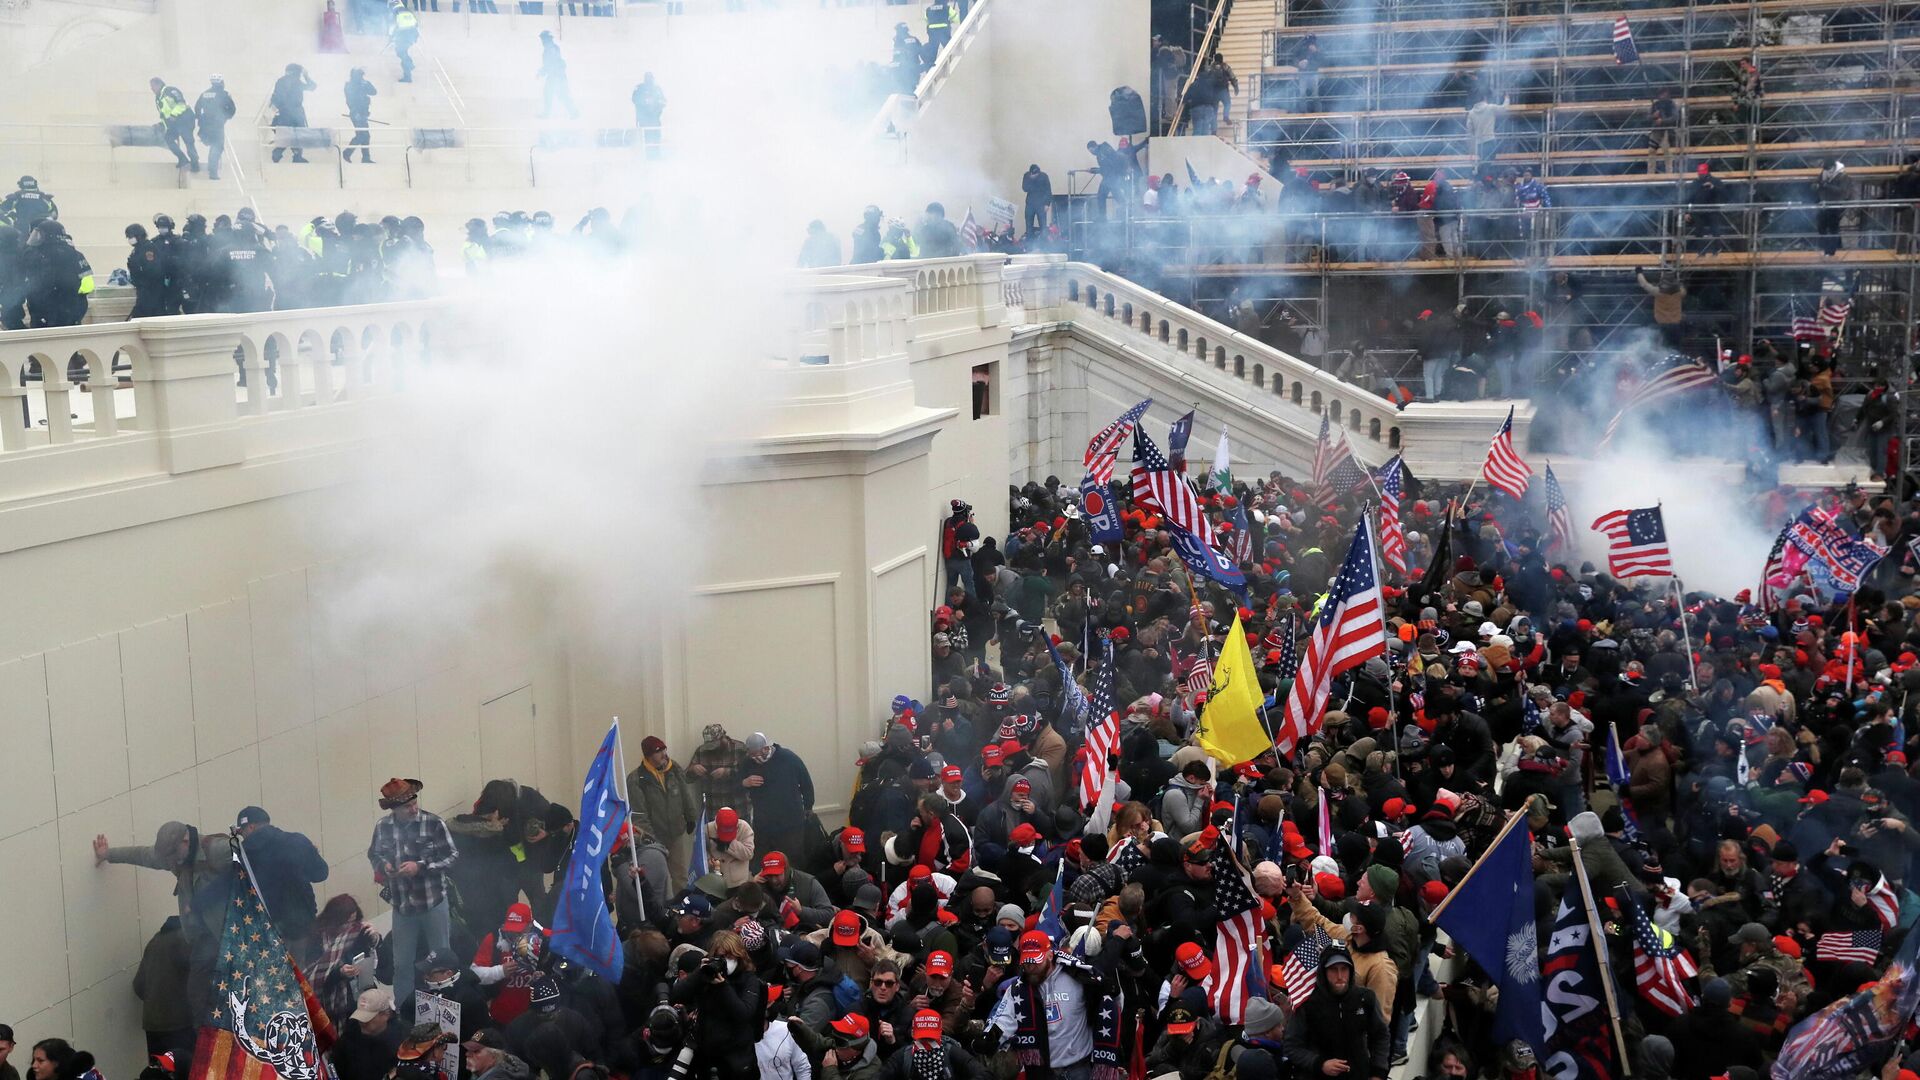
x: 727, y: 945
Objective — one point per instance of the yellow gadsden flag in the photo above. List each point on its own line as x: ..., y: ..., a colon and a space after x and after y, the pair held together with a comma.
x: 1230, y: 729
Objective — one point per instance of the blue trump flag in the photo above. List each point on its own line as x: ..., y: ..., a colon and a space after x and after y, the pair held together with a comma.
x: 1490, y: 915
x: 697, y: 865
x: 582, y: 926
x: 1050, y: 922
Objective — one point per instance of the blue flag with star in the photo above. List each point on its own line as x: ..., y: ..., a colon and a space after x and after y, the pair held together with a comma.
x: 582, y: 926
x: 263, y: 1020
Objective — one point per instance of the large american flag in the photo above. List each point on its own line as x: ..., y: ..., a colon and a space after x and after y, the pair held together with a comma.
x: 1350, y: 630
x: 1289, y: 655
x: 1833, y: 316
x: 1636, y: 542
x: 1559, y: 519
x: 1235, y: 938
x: 1848, y: 946
x: 1661, y: 967
x: 1774, y: 574
x: 1393, y: 538
x: 970, y: 233
x: 1195, y: 673
x: 1624, y: 50
x: 1301, y: 968
x: 1104, y: 447
x: 1103, y: 735
x: 1161, y: 490
x: 1885, y: 905
x: 1675, y: 380
x: 1504, y: 469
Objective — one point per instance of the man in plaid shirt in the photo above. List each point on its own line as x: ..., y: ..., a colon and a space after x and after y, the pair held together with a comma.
x: 410, y: 853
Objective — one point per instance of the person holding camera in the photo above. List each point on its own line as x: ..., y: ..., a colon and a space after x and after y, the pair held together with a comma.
x: 731, y: 1002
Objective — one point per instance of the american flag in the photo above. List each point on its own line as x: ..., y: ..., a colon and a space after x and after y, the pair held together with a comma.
x: 1675, y: 380
x: 1619, y: 776
x: 1350, y: 630
x: 1195, y: 674
x: 1334, y: 470
x: 1128, y: 857
x: 1885, y: 905
x: 1661, y: 967
x: 1624, y: 51
x: 1833, y: 315
x: 1806, y: 327
x: 1848, y: 946
x: 1393, y: 538
x: 1324, y: 814
x: 1103, y: 735
x: 1775, y: 571
x: 1161, y: 490
x: 1559, y: 519
x: 1289, y: 652
x: 265, y: 1023
x: 1235, y: 938
x: 1104, y: 447
x: 1636, y: 542
x: 970, y: 233
x: 1302, y: 967
x: 1237, y: 541
x: 1504, y: 469
x: 1531, y: 722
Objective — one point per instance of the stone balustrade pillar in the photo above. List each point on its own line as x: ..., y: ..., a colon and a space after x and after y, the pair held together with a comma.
x: 184, y: 393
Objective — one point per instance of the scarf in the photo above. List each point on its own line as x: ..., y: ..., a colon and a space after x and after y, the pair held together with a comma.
x: 1106, y: 1061
x: 1030, y: 1027
x: 929, y: 1061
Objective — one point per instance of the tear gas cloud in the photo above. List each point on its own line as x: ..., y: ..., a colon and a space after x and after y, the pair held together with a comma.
x: 559, y: 448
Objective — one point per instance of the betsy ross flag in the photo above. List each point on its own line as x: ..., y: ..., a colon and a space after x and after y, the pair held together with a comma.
x: 1559, y: 518
x: 265, y: 1023
x: 1103, y: 737
x: 1235, y: 938
x: 1661, y: 967
x: 1636, y: 543
x: 1302, y: 966
x: 1624, y: 51
x: 970, y: 233
x: 1393, y: 537
x: 1504, y: 469
x: 1349, y: 631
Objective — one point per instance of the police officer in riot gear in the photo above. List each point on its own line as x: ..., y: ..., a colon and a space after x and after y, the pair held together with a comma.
x: 360, y: 95
x: 290, y: 105
x: 27, y: 207
x: 59, y: 279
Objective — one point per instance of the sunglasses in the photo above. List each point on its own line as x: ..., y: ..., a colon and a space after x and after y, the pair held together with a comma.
x: 885, y: 982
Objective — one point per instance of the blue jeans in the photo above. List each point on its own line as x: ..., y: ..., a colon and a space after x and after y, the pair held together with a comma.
x: 428, y: 928
x: 1820, y: 434
x: 961, y: 571
x: 1433, y: 371
x: 1203, y: 120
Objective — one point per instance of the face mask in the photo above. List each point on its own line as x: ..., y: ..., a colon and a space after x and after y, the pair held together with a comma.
x: 1346, y: 923
x: 444, y: 983
x: 732, y: 966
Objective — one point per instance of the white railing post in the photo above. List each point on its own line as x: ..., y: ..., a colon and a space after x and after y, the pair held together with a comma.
x: 184, y: 392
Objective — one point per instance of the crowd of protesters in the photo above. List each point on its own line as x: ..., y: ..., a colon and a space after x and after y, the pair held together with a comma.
x: 1768, y: 776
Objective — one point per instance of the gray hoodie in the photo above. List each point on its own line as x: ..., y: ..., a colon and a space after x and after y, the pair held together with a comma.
x: 1184, y: 806
x: 1656, y: 1058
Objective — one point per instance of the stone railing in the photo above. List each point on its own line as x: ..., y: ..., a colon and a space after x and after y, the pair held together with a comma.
x: 960, y: 293
x: 175, y: 384
x: 1084, y: 292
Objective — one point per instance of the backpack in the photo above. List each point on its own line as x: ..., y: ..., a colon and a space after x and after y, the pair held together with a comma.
x: 1222, y: 1068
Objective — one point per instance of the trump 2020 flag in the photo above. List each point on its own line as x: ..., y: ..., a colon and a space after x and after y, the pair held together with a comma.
x: 265, y: 1023
x: 1579, y: 1035
x: 582, y: 927
x: 1490, y: 915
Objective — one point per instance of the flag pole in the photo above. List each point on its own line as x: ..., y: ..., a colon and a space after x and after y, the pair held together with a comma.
x: 1686, y: 632
x: 1514, y: 818
x: 1386, y: 645
x: 1600, y: 954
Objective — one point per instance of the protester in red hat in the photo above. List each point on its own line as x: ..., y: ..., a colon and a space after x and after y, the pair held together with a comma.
x: 795, y: 896
x: 730, y: 847
x: 510, y: 959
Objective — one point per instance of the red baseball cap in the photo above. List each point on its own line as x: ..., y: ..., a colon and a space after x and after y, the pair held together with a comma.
x: 774, y: 863
x: 926, y: 1025
x: 1787, y: 946
x: 855, y: 839
x: 1022, y: 784
x: 1024, y: 834
x: 1034, y: 945
x: 952, y: 775
x: 939, y: 962
x: 922, y: 872
x: 726, y: 824
x: 991, y: 754
x: 853, y: 1026
x: 1193, y: 961
x: 846, y: 928
x: 519, y: 917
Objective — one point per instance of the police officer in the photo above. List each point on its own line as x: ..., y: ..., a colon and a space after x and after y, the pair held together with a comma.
x: 402, y: 33
x: 176, y: 123
x: 248, y: 268
x: 939, y: 26
x: 330, y: 261
x: 59, y: 279
x: 474, y: 252
x: 26, y: 207
x: 866, y: 237
x: 214, y: 109
x: 290, y: 105
x: 172, y: 256
x: 149, y: 267
x: 195, y: 251
x: 898, y: 243
x: 360, y: 95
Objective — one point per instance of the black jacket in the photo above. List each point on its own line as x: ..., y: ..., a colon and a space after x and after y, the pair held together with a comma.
x: 733, y: 1016
x: 787, y: 796
x: 285, y: 867
x: 1345, y: 1026
x: 360, y: 1056
x: 960, y: 1065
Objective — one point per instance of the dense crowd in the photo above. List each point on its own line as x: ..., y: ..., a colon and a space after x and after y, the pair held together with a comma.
x: 976, y: 917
